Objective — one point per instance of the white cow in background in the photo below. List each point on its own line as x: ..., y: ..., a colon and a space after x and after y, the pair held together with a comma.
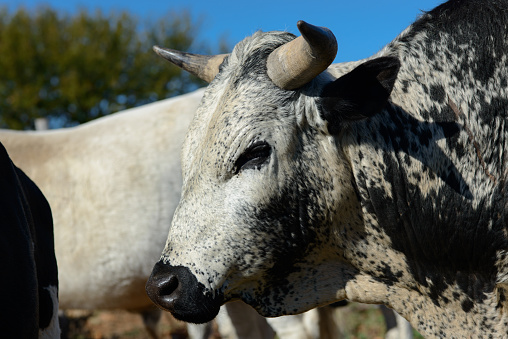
x: 113, y: 185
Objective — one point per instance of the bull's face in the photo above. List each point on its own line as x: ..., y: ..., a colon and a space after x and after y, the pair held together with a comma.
x: 268, y: 205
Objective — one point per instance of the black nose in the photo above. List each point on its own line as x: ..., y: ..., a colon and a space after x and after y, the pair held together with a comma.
x: 176, y: 289
x: 162, y: 286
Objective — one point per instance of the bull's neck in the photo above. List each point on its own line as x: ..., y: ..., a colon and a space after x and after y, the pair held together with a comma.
x: 435, y: 246
x: 429, y: 200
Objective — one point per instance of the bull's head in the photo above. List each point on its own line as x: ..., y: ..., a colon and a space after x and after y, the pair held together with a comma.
x: 269, y: 213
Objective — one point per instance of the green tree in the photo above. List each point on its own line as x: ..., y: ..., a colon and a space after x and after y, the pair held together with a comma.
x: 74, y: 68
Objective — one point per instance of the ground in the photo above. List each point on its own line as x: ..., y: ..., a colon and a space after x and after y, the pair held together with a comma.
x: 356, y: 321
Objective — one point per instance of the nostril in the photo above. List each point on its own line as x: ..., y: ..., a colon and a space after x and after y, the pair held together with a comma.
x: 162, y: 286
x: 167, y: 286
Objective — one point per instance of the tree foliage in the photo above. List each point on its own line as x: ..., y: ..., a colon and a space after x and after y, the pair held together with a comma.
x: 74, y: 68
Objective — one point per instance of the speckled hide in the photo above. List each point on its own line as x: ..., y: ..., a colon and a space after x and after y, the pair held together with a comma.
x: 379, y: 181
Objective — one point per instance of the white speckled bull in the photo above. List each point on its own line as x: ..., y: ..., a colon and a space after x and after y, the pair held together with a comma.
x: 382, y: 181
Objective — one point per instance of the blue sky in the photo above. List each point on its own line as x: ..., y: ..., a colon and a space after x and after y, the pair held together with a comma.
x: 362, y: 27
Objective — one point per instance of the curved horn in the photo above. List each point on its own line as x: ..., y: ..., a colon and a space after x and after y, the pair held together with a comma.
x: 204, y: 67
x: 297, y: 62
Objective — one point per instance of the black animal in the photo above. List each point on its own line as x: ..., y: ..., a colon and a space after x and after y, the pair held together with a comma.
x: 28, y: 269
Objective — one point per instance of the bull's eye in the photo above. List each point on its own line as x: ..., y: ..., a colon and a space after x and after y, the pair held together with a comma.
x: 253, y: 157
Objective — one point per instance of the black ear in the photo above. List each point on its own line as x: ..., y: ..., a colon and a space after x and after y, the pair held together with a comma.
x: 359, y: 94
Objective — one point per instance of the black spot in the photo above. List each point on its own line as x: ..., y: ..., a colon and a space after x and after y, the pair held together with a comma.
x: 502, y: 299
x: 386, y: 275
x: 437, y: 93
x: 405, y: 85
x: 467, y: 305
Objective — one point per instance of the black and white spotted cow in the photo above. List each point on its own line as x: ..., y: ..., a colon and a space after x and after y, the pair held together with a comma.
x: 378, y: 181
x: 29, y: 278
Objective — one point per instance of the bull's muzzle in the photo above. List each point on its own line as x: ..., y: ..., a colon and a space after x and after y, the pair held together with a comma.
x: 176, y: 289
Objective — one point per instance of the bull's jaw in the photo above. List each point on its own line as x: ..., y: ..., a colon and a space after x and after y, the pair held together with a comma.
x: 444, y: 318
x: 299, y: 292
x: 176, y: 290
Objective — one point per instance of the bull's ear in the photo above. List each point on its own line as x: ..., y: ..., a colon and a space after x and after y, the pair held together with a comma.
x: 360, y: 93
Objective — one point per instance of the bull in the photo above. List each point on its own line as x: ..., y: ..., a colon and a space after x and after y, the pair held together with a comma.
x: 378, y: 181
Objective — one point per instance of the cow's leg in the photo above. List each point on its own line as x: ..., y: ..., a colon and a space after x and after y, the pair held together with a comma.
x: 72, y: 322
x: 237, y: 320
x: 151, y: 319
x: 293, y: 326
x: 314, y: 324
x: 327, y: 325
x: 396, y: 326
x: 199, y: 331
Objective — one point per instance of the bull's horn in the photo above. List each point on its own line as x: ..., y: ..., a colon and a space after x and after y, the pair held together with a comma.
x: 204, y: 67
x: 297, y: 62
